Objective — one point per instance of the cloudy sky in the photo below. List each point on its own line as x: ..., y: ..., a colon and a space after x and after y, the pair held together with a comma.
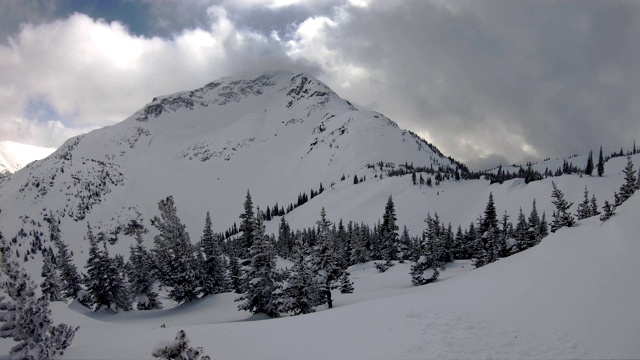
x: 485, y: 81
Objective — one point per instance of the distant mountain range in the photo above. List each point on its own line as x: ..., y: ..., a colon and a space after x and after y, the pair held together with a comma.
x: 14, y: 156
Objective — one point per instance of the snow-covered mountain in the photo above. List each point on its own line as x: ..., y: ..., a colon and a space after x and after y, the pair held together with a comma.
x: 277, y: 134
x: 281, y: 134
x: 14, y: 156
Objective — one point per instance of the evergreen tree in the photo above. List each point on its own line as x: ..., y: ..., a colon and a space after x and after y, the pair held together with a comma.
x: 261, y: 294
x: 594, y: 206
x: 26, y: 319
x: 234, y: 274
x: 404, y: 252
x: 607, y: 211
x: 428, y: 254
x: 68, y: 271
x: 214, y: 270
x: 359, y: 252
x: 584, y: 208
x: 301, y: 293
x: 521, y: 233
x: 346, y: 285
x: 600, y: 166
x: 561, y: 216
x: 490, y: 219
x: 629, y: 187
x: 534, y: 234
x: 588, y: 169
x: 51, y: 287
x: 173, y: 255
x: 324, y: 262
x: 140, y: 271
x: 247, y: 227
x: 389, y: 232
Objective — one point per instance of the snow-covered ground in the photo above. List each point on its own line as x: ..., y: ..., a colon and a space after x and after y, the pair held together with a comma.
x: 573, y: 296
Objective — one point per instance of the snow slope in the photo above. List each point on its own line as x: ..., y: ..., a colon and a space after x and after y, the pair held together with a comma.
x: 573, y: 296
x: 14, y: 156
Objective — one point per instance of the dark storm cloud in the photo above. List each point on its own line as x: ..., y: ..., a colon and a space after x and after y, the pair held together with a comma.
x: 495, y: 77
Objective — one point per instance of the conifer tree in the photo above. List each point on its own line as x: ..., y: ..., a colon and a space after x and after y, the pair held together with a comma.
x: 346, y: 285
x: 584, y: 208
x: 521, y: 233
x: 140, y: 271
x: 588, y: 169
x: 405, y: 245
x: 234, y: 274
x: 600, y: 166
x: 324, y: 262
x: 561, y: 216
x: 214, y: 271
x: 389, y: 232
x: 51, y: 286
x: 428, y: 254
x: 629, y: 187
x: 359, y: 252
x: 534, y: 230
x: 247, y: 227
x: 69, y: 275
x: 261, y: 294
x: 607, y: 211
x: 25, y: 318
x: 173, y: 255
x: 301, y: 293
x: 490, y: 219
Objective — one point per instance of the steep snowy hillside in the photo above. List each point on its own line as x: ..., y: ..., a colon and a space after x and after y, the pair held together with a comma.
x: 278, y: 134
x: 573, y: 296
x: 14, y: 156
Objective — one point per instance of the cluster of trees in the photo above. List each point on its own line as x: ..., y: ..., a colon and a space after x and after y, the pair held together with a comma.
x: 26, y: 318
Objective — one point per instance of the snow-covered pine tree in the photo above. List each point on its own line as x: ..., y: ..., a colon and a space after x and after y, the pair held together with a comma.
x: 534, y: 234
x: 490, y: 218
x: 51, y: 285
x: 607, y: 211
x: 346, y: 285
x: 262, y: 295
x: 428, y: 254
x: 234, y: 274
x: 588, y: 169
x: 25, y: 318
x: 389, y: 232
x: 214, y: 270
x: 594, y: 206
x: 359, y: 252
x: 301, y: 292
x: 629, y: 187
x: 173, y: 254
x: 178, y: 349
x: 404, y: 252
x: 521, y: 234
x: 247, y: 227
x: 324, y: 260
x: 505, y: 233
x: 584, y: 208
x: 69, y: 275
x: 140, y: 271
x: 97, y: 272
x: 561, y: 217
x: 600, y: 166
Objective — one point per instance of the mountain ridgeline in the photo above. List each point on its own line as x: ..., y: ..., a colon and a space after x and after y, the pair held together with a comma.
x: 285, y: 136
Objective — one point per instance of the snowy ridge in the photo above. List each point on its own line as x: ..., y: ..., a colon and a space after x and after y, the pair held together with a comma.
x: 278, y: 134
x: 14, y: 156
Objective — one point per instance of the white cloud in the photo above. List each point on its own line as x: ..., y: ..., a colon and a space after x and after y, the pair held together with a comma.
x: 94, y: 73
